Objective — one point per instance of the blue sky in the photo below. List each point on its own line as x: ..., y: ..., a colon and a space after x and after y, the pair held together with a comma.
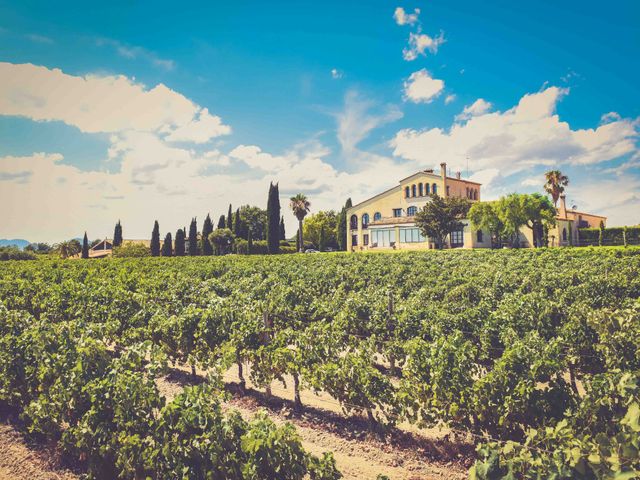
x: 334, y: 99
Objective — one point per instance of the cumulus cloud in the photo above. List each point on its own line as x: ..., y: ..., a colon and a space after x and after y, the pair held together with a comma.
x: 419, y: 43
x: 422, y: 88
x: 403, y: 18
x: 96, y: 104
x: 529, y: 134
x: 479, y: 107
x: 449, y: 99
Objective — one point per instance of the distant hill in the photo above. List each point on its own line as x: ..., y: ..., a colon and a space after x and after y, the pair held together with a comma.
x: 18, y: 242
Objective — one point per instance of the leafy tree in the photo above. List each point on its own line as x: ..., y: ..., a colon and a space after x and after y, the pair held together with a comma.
x: 131, y: 250
x: 341, y: 227
x: 155, y: 240
x: 167, y: 247
x: 230, y: 218
x: 117, y: 235
x: 555, y: 183
x: 85, y: 246
x: 193, y: 238
x: 38, y: 247
x: 180, y: 240
x: 207, y: 228
x: 283, y: 233
x: 530, y: 210
x: 249, y: 241
x: 484, y: 216
x: 222, y: 240
x: 222, y: 223
x: 601, y: 234
x: 317, y: 225
x: 300, y: 207
x: 441, y: 216
x: 254, y: 218
x: 273, y: 219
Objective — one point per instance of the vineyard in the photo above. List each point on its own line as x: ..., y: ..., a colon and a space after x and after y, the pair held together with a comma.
x: 534, y: 355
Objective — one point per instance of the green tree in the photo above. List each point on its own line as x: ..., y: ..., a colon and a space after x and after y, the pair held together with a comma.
x: 222, y: 222
x: 341, y: 227
x: 38, y: 248
x: 167, y: 248
x: 300, y: 207
x: 519, y: 210
x: 283, y: 233
x: 68, y: 248
x: 601, y: 234
x: 117, y: 235
x: 441, y: 216
x: 555, y: 183
x: 249, y: 241
x: 193, y: 238
x: 314, y: 226
x: 179, y: 246
x: 207, y: 228
x: 230, y: 218
x: 85, y: 246
x: 484, y: 216
x: 253, y: 218
x: 273, y: 219
x: 238, y: 225
x: 155, y: 240
x: 222, y: 240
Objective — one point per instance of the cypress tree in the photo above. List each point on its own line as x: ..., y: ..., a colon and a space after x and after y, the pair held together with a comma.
x: 117, y: 235
x: 155, y: 240
x: 341, y: 232
x: 167, y: 248
x: 283, y: 235
x: 193, y: 237
x: 273, y: 219
x: 237, y: 225
x: 322, y: 241
x: 179, y: 248
x: 230, y: 219
x: 249, y: 241
x: 221, y: 222
x: 207, y: 228
x: 85, y: 246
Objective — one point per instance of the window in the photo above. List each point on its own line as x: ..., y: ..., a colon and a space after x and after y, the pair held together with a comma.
x: 447, y: 190
x: 434, y: 189
x: 468, y: 192
x: 354, y: 240
x: 365, y: 239
x: 564, y: 234
x: 377, y: 216
x: 353, y: 222
x: 426, y: 187
x: 411, y: 235
x: 457, y: 238
x: 406, y: 191
x: 479, y: 236
x: 420, y: 190
x: 397, y: 212
x: 475, y: 194
x: 365, y: 220
x: 384, y: 237
x: 413, y: 190
x: 411, y: 211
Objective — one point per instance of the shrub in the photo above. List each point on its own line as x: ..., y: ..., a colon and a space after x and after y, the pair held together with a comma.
x: 131, y: 250
x: 13, y: 253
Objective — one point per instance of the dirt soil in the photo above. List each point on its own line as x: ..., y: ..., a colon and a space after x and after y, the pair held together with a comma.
x: 405, y: 453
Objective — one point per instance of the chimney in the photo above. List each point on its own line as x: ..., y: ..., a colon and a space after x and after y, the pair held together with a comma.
x: 562, y: 211
x: 443, y: 170
x: 458, y: 175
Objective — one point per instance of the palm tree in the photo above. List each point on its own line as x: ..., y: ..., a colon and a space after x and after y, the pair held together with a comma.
x: 556, y: 182
x: 300, y: 206
x: 68, y: 248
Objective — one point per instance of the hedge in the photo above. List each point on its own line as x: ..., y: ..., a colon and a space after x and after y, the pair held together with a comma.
x: 611, y: 236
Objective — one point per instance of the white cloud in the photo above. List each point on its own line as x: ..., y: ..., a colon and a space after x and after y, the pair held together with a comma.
x: 355, y: 122
x: 610, y: 117
x: 529, y: 134
x: 531, y: 182
x: 134, y: 52
x: 96, y: 104
x: 479, y: 107
x: 421, y: 42
x: 336, y: 74
x: 422, y: 88
x: 403, y: 18
x: 449, y: 99
x: 36, y: 38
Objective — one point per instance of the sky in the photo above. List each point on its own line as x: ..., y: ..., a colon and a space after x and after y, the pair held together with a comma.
x: 137, y: 111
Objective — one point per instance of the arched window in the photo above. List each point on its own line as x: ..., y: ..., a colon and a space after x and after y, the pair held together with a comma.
x: 411, y: 211
x: 426, y: 186
x: 479, y: 236
x: 434, y: 189
x: 413, y: 190
x: 475, y: 194
x: 353, y: 222
x: 420, y: 190
x: 564, y: 234
x: 406, y: 191
x: 365, y: 220
x: 377, y: 216
x: 469, y: 195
